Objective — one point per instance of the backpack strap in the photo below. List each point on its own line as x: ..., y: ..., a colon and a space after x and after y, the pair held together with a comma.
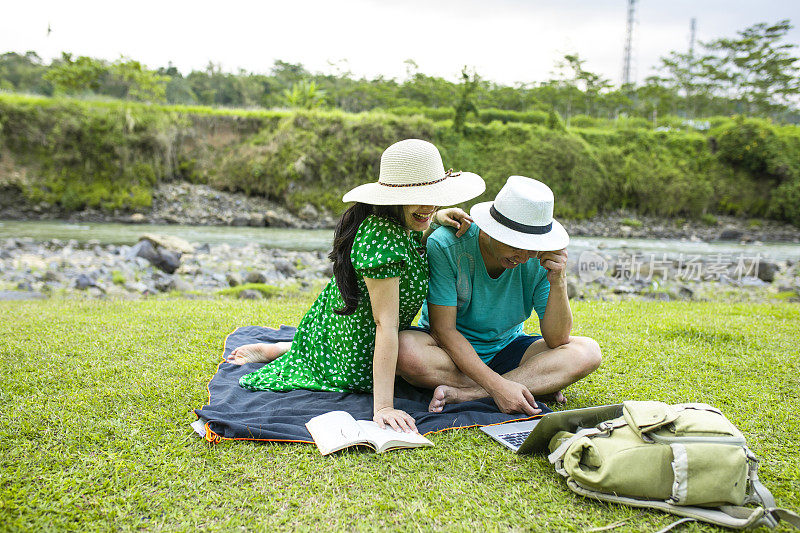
x: 727, y: 516
x: 786, y: 515
x: 603, y: 428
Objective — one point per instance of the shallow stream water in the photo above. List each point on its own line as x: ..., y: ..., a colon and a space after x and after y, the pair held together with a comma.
x: 298, y: 239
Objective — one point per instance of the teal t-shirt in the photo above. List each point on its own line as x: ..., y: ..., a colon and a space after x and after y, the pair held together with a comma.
x: 490, y: 312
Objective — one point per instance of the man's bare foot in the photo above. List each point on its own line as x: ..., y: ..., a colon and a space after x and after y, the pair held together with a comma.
x: 442, y: 396
x: 557, y: 397
x: 258, y: 353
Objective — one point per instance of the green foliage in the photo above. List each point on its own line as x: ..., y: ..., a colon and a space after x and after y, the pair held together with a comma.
x: 138, y: 83
x: 785, y: 204
x: 465, y: 104
x: 632, y: 222
x: 84, y: 155
x: 110, y: 155
x: 315, y: 156
x: 304, y: 95
x: 554, y: 121
x: 117, y: 277
x: 708, y: 219
x: 267, y: 291
x: 756, y: 146
x: 505, y: 116
x: 74, y: 76
x: 124, y: 78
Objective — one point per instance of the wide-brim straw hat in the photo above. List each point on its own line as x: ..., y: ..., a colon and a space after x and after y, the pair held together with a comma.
x: 412, y: 173
x: 522, y: 216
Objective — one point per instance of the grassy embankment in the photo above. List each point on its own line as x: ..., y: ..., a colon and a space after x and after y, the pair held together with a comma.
x: 109, y: 155
x: 95, y: 401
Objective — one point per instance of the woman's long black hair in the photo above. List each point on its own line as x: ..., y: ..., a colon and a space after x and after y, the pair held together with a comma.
x: 343, y: 239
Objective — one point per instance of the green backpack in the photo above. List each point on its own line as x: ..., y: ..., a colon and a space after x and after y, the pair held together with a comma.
x: 685, y: 459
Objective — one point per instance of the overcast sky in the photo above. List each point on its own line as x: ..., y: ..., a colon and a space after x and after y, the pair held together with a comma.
x: 507, y: 41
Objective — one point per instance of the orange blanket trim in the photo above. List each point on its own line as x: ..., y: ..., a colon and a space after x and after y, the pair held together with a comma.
x: 215, y: 438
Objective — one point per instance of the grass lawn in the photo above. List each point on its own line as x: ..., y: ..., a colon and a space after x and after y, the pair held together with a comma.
x: 96, y: 400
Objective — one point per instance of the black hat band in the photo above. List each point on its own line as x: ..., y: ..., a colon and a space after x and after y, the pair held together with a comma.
x: 516, y: 226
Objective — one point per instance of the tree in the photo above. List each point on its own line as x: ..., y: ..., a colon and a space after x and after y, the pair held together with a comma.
x: 78, y: 75
x: 757, y: 68
x: 689, y: 77
x: 304, y: 95
x: 465, y: 104
x: 573, y: 75
x: 138, y: 83
x: 20, y: 72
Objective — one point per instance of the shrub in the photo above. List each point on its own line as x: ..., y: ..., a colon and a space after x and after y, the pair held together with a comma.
x: 755, y: 146
x: 632, y: 222
x: 268, y: 291
x: 708, y: 219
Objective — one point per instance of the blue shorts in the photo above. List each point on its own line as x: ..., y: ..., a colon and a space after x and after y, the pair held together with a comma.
x: 506, y: 359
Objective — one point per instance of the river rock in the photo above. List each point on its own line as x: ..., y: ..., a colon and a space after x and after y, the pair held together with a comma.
x: 52, y: 275
x: 83, y: 282
x: 685, y: 292
x: 169, y: 260
x: 161, y: 258
x: 143, y: 249
x: 308, y: 213
x: 285, y: 267
x: 256, y: 220
x: 767, y: 271
x: 273, y: 219
x: 135, y: 286
x: 572, y: 289
x: 24, y: 286
x: 164, y: 283
x: 233, y: 279
x: 240, y: 221
x: 256, y: 276
x: 5, y: 254
x: 730, y: 234
x: 251, y: 294
x: 657, y: 296
x: 169, y: 242
x: 181, y: 285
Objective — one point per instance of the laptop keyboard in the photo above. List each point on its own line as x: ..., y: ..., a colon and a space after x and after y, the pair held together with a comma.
x: 515, y: 439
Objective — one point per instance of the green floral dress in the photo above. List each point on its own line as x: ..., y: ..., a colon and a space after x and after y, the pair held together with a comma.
x: 332, y: 352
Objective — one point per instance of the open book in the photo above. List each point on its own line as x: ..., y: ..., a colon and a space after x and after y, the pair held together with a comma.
x: 337, y: 430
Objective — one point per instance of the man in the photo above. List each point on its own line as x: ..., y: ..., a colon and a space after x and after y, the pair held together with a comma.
x: 483, y: 286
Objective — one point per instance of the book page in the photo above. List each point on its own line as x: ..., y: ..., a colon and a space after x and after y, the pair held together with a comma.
x: 334, y: 431
x: 388, y: 438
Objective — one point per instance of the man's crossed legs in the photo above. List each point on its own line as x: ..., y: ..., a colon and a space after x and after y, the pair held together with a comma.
x: 544, y: 371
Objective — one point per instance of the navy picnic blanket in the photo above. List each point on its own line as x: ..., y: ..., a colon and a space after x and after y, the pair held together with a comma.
x: 237, y: 413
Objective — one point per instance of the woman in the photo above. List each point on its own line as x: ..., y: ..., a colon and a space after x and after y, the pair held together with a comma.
x: 347, y: 342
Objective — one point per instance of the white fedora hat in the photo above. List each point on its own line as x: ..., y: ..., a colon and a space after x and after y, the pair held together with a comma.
x: 412, y: 173
x: 522, y: 216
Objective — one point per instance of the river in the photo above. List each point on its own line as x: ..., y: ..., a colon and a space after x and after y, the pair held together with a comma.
x: 305, y: 240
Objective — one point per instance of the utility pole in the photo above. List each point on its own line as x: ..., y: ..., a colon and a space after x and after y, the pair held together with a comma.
x: 689, y: 95
x: 626, y: 65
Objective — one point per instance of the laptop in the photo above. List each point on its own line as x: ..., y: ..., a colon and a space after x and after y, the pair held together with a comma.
x: 533, y: 436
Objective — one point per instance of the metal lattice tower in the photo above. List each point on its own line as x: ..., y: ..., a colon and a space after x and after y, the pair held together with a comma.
x: 626, y: 65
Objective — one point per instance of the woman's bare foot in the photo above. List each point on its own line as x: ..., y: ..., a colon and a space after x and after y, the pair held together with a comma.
x: 442, y: 396
x: 258, y: 353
